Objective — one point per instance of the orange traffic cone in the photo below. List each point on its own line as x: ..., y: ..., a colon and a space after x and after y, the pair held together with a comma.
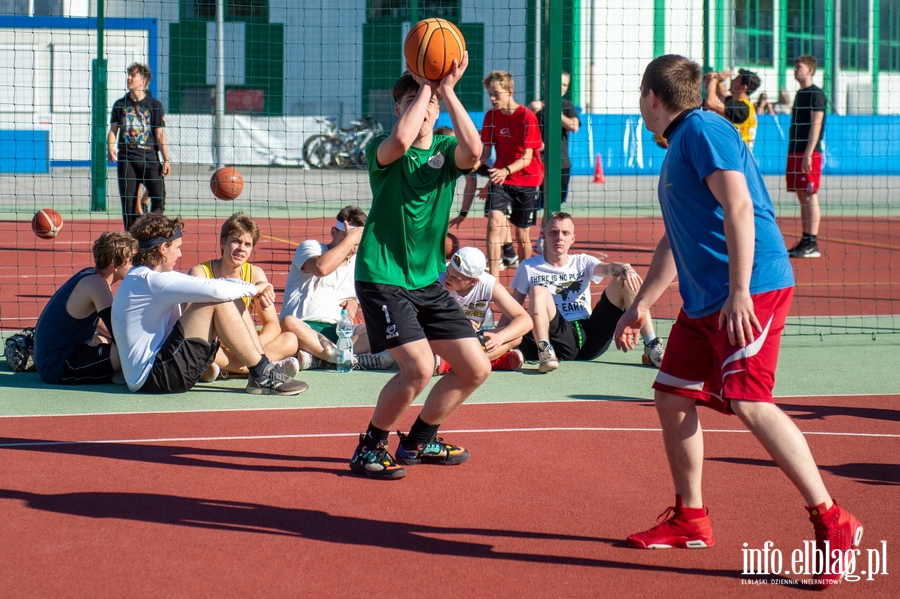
x: 598, y: 170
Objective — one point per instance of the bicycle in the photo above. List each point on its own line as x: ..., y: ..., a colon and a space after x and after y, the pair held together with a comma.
x: 352, y: 150
x: 319, y: 149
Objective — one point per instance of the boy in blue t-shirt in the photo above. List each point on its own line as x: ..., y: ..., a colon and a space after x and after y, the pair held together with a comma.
x: 736, y: 284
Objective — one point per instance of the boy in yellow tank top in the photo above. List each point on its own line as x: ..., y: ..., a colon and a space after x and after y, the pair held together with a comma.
x: 237, y: 239
x: 736, y: 107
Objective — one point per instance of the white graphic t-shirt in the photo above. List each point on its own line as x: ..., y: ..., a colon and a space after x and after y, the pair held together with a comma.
x: 477, y: 302
x: 569, y: 284
x: 309, y: 297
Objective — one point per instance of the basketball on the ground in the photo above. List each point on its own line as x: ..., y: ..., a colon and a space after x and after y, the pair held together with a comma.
x: 430, y: 47
x: 451, y: 246
x: 46, y: 223
x: 226, y: 183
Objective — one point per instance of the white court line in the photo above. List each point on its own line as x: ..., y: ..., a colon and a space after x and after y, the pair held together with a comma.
x: 456, y: 431
x: 372, y: 406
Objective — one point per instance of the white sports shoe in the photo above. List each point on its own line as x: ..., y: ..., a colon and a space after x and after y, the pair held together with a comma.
x: 547, y: 356
x: 290, y: 366
x: 653, y: 353
x: 307, y: 361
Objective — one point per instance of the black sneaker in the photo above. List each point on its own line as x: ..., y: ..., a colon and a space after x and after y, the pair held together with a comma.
x: 435, y: 452
x: 274, y: 382
x: 805, y: 249
x: 375, y: 462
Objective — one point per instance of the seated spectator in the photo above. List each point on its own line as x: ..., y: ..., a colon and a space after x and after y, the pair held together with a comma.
x: 237, y: 239
x: 73, y: 340
x: 165, y: 347
x: 474, y: 290
x: 320, y: 284
x: 558, y: 285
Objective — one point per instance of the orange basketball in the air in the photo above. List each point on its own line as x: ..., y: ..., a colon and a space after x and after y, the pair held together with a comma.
x: 430, y: 47
x: 46, y: 223
x: 226, y: 183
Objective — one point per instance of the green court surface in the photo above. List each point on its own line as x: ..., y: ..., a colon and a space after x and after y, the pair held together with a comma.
x: 809, y: 366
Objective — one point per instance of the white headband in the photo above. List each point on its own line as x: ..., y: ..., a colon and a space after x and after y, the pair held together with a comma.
x: 343, y: 226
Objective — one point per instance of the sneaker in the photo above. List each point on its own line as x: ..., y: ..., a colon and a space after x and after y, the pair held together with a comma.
x: 841, y: 531
x: 375, y: 462
x: 510, y: 262
x: 511, y: 360
x: 441, y: 366
x: 653, y: 353
x: 290, y: 366
x: 675, y: 531
x: 434, y: 452
x: 380, y: 361
x: 275, y: 382
x: 307, y: 361
x: 806, y: 248
x: 547, y: 357
x: 211, y: 374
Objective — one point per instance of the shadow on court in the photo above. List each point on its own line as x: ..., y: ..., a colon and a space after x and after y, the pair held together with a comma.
x: 173, y: 455
x: 321, y: 526
x: 867, y: 474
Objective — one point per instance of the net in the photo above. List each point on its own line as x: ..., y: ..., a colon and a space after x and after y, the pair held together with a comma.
x: 302, y: 87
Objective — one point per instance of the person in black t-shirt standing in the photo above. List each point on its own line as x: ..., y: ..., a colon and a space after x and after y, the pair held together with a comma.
x: 141, y: 120
x: 570, y: 124
x: 804, y: 165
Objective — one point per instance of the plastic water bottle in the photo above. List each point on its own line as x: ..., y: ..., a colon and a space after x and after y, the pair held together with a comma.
x: 345, y: 342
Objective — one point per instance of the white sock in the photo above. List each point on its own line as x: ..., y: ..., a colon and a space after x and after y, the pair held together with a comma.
x: 648, y: 338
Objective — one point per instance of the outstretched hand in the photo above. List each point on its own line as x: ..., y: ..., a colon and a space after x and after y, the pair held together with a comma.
x: 628, y: 330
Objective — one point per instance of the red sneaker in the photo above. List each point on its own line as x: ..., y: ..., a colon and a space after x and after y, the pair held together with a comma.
x: 842, y: 532
x: 511, y: 360
x: 676, y: 531
x: 441, y: 366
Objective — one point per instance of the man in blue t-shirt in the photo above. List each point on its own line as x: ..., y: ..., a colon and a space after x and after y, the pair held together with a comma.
x: 736, y: 284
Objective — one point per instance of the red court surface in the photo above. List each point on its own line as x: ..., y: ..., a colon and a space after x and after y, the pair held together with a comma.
x: 262, y: 504
x: 856, y: 275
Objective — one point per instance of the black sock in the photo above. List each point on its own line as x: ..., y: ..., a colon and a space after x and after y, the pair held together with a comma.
x: 377, y: 435
x: 420, y: 433
x: 508, y: 250
x: 813, y: 238
x: 260, y: 369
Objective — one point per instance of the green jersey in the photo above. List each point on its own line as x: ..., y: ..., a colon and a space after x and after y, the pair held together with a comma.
x: 403, y: 243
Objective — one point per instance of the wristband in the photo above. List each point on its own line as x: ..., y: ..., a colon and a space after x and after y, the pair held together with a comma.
x: 464, y: 213
x: 508, y: 172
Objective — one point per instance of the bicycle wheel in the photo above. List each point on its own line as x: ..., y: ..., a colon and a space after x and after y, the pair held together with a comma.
x: 347, y: 154
x: 319, y: 151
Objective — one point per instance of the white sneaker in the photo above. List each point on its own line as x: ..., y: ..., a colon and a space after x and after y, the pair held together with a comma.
x: 307, y: 361
x: 547, y: 356
x: 653, y: 353
x: 290, y: 366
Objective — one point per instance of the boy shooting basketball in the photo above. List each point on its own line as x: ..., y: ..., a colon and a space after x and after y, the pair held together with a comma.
x: 401, y: 255
x: 721, y: 237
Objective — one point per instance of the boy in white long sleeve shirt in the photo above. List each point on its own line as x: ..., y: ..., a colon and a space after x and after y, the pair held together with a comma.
x: 165, y: 349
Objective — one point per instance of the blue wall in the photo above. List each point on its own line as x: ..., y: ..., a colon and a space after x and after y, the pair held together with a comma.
x: 854, y: 145
x: 25, y: 151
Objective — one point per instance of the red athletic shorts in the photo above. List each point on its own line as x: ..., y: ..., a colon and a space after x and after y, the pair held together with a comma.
x: 701, y: 363
x: 808, y: 182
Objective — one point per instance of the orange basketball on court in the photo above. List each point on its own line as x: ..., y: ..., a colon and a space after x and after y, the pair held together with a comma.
x: 226, y: 183
x: 430, y: 47
x: 46, y: 223
x: 451, y: 245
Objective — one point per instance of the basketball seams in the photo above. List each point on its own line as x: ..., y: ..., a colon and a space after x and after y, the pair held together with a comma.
x: 431, y: 46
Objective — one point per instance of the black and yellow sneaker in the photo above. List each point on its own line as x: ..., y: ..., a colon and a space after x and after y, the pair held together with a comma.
x: 433, y: 452
x: 375, y: 462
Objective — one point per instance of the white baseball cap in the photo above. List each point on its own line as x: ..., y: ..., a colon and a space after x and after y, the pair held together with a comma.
x: 469, y: 262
